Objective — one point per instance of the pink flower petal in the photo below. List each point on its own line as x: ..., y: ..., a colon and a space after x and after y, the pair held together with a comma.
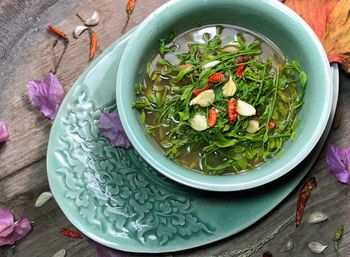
x: 46, y: 95
x: 338, y: 161
x: 4, y: 135
x: 6, y: 223
x: 11, y: 231
x: 111, y: 128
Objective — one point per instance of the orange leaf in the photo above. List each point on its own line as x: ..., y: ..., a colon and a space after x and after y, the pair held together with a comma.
x: 330, y: 20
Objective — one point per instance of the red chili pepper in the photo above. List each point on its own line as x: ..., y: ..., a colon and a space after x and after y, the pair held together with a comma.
x: 216, y: 78
x: 232, y: 110
x: 303, y: 197
x: 212, y: 117
x: 58, y: 33
x: 240, y: 70
x: 197, y: 91
x: 70, y: 233
x: 272, y: 124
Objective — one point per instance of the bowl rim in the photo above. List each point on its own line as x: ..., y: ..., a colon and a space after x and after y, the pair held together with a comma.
x: 224, y: 185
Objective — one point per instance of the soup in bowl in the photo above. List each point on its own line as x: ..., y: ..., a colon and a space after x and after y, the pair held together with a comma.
x: 236, y: 89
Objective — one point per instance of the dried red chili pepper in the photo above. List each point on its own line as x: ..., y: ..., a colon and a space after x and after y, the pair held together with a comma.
x: 70, y: 233
x: 58, y: 33
x: 129, y: 9
x: 197, y: 91
x: 272, y: 124
x: 240, y: 70
x: 232, y: 110
x: 216, y: 78
x: 212, y: 117
x: 242, y: 58
x: 93, y: 44
x: 303, y: 197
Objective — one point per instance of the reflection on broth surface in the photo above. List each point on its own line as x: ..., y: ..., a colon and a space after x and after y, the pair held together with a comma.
x: 220, y: 99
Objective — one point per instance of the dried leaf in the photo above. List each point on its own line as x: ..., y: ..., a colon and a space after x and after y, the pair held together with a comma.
x: 42, y: 199
x: 61, y: 253
x: 330, y: 21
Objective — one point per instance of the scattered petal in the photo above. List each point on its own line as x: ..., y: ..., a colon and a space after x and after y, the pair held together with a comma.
x: 253, y: 126
x: 210, y: 64
x: 229, y: 89
x: 11, y: 231
x: 288, y: 246
x: 42, y: 199
x: 78, y: 30
x: 245, y: 109
x: 317, y: 217
x: 204, y: 99
x: 4, y: 135
x: 61, y: 253
x: 102, y: 251
x: 338, y: 161
x: 199, y: 122
x: 111, y: 128
x: 46, y: 95
x: 93, y: 20
x: 316, y: 247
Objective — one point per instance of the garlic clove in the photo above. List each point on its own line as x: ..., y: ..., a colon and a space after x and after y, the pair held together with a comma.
x: 42, y: 199
x: 288, y: 246
x: 199, y: 122
x: 210, y: 64
x: 93, y: 20
x: 245, y: 109
x: 230, y: 49
x: 61, y: 253
x: 316, y: 247
x: 229, y: 89
x: 253, y: 126
x: 78, y: 30
x: 204, y: 99
x: 317, y: 217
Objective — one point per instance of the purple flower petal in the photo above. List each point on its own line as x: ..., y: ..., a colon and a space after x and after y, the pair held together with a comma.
x: 111, y: 128
x: 4, y: 135
x: 46, y: 95
x: 6, y: 223
x: 102, y: 251
x: 11, y: 231
x: 338, y: 162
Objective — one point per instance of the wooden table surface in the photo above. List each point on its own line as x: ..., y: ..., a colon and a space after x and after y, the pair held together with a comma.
x: 25, y: 55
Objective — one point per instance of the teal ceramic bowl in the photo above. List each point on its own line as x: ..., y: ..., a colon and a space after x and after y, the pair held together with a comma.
x: 269, y: 18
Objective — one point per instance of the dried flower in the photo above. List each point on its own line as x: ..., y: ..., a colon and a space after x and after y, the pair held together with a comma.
x: 10, y: 230
x: 337, y: 236
x: 102, y: 251
x: 316, y: 247
x: 42, y: 199
x: 317, y: 217
x: 46, y: 95
x: 4, y: 135
x: 111, y: 128
x: 338, y: 161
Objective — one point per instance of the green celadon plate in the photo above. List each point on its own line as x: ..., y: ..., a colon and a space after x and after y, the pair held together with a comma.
x: 114, y: 197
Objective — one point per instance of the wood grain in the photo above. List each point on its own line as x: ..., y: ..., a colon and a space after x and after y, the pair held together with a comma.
x: 25, y: 55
